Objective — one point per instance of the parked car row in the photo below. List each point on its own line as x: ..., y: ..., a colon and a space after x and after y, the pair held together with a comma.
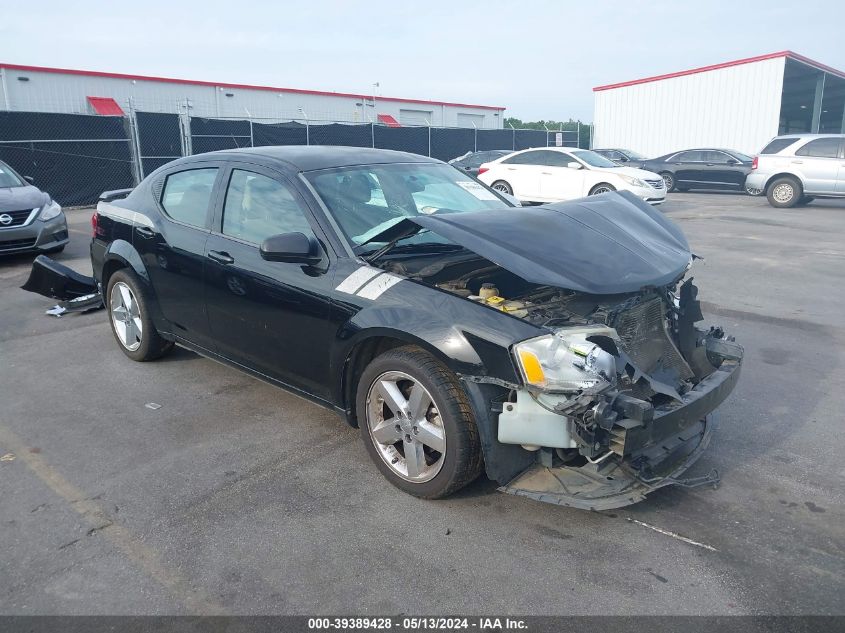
x: 791, y: 169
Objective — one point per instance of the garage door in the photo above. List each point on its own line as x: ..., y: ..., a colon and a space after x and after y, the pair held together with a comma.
x: 414, y: 117
x: 470, y: 120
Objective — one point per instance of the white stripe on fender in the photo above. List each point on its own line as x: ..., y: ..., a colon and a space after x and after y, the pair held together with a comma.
x: 374, y: 289
x: 353, y: 282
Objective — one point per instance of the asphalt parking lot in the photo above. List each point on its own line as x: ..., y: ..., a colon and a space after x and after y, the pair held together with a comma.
x: 235, y: 497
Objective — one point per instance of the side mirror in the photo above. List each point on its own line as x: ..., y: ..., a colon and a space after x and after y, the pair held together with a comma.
x: 29, y: 179
x: 293, y: 248
x: 574, y: 165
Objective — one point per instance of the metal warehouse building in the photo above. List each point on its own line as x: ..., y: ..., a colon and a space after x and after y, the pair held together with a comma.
x: 739, y: 105
x: 38, y: 89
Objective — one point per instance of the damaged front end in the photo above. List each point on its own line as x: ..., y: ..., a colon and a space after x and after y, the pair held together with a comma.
x: 619, y: 386
x: 620, y: 405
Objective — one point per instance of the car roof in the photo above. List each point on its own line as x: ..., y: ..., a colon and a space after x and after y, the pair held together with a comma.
x: 311, y: 157
x: 808, y: 135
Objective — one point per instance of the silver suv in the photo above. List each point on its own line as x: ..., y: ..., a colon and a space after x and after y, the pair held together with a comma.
x: 796, y: 168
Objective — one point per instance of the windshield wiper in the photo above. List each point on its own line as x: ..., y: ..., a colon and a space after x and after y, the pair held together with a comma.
x: 391, y: 243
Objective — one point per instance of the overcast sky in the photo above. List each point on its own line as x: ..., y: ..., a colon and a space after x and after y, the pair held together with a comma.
x: 540, y: 59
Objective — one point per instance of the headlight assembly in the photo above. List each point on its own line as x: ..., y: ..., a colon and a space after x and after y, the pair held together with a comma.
x: 566, y: 361
x: 634, y: 182
x: 50, y: 211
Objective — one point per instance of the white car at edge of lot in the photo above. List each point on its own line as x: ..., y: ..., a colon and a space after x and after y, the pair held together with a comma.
x: 553, y: 174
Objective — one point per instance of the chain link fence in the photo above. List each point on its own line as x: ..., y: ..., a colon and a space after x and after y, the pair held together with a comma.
x: 75, y: 157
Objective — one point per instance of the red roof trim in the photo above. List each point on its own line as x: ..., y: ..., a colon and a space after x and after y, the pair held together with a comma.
x: 738, y: 62
x: 388, y: 120
x: 97, y: 73
x: 106, y: 106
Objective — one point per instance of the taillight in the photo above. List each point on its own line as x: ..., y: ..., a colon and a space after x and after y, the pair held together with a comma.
x: 94, y: 221
x: 481, y: 170
x: 754, y: 163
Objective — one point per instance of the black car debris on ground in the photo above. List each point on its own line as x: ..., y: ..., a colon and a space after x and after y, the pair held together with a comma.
x: 30, y: 220
x: 709, y: 168
x: 552, y: 347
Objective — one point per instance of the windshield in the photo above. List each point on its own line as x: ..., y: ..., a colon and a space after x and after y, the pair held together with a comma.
x: 593, y: 159
x: 8, y: 178
x: 632, y: 154
x: 367, y: 199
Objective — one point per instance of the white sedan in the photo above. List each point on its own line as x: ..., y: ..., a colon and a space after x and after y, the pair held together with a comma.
x: 552, y: 174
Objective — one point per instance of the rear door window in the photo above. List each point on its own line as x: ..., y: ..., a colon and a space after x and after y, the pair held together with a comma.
x: 821, y: 148
x: 187, y: 194
x: 526, y: 158
x: 693, y: 156
x: 777, y: 145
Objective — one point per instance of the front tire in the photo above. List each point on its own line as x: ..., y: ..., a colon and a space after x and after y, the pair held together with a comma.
x: 502, y: 187
x: 128, y: 304
x: 784, y: 193
x: 417, y: 424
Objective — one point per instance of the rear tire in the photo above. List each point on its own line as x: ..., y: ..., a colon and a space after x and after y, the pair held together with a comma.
x: 128, y: 304
x: 784, y: 192
x: 408, y: 401
x: 668, y: 180
x: 602, y: 187
x: 502, y: 187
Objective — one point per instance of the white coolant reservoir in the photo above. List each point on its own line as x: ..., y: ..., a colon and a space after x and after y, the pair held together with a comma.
x: 526, y: 422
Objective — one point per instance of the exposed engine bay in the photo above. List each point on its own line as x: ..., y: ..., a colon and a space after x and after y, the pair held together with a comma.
x: 609, y: 401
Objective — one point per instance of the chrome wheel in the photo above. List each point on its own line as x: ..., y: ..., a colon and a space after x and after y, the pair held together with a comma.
x: 126, y: 316
x: 405, y: 426
x: 602, y: 189
x: 753, y: 191
x: 668, y: 181
x: 783, y: 193
x: 502, y: 187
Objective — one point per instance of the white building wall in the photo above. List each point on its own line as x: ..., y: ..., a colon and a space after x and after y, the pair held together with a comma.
x: 63, y: 92
x: 736, y: 107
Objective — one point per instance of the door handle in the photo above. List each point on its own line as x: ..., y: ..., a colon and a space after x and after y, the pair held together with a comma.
x: 511, y: 168
x: 221, y: 257
x: 546, y: 173
x: 797, y: 162
x: 145, y: 231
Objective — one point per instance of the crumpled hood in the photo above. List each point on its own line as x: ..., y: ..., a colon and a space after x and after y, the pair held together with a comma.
x: 605, y: 244
x: 18, y: 198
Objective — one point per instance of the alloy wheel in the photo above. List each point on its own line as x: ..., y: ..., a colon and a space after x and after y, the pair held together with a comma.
x: 668, y: 181
x: 405, y: 426
x: 502, y: 187
x: 126, y: 316
x: 599, y: 190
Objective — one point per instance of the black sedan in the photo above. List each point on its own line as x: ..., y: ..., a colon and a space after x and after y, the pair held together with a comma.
x: 722, y: 169
x: 553, y: 348
x: 30, y: 221
x: 471, y: 161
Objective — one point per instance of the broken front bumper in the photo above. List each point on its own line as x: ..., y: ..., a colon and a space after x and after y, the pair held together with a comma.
x: 669, y: 444
x: 78, y: 293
